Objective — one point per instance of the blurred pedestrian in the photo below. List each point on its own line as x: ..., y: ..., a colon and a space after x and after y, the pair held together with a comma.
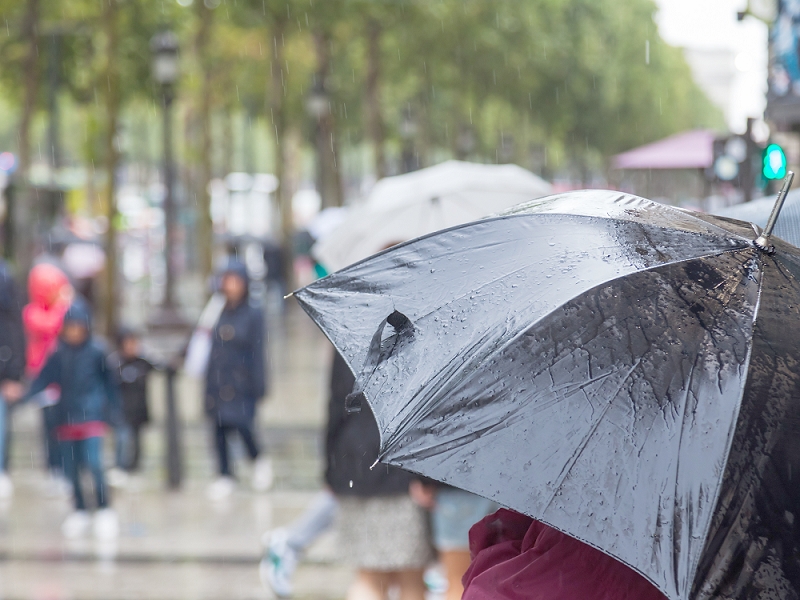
x: 132, y: 370
x: 49, y: 297
x: 381, y: 530
x: 515, y: 557
x: 284, y: 546
x: 453, y: 513
x: 89, y: 399
x: 236, y: 380
x: 12, y: 364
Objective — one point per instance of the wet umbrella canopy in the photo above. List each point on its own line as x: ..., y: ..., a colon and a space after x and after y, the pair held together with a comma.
x: 624, y: 371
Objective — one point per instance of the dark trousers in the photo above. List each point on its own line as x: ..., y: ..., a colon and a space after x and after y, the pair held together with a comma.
x: 222, y: 433
x: 136, y: 448
x: 52, y: 446
x: 128, y: 440
x: 86, y: 454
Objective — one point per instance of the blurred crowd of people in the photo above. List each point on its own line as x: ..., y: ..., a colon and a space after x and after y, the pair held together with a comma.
x: 85, y: 389
x: 53, y: 361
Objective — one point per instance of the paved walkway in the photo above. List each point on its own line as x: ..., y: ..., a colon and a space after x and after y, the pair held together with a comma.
x: 172, y: 546
x: 179, y: 545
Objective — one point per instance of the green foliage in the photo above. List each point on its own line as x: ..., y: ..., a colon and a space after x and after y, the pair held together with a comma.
x: 574, y: 76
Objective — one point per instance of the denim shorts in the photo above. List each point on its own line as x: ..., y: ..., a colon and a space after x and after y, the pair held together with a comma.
x: 456, y: 511
x: 3, y: 416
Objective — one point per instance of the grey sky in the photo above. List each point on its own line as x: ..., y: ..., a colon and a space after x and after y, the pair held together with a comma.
x: 712, y: 24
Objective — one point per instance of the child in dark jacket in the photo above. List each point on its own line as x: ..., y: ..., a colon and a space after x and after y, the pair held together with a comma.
x: 89, y: 400
x: 132, y: 370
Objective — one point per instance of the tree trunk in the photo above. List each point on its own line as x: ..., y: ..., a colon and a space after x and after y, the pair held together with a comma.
x: 329, y: 178
x: 112, y: 102
x: 375, y: 125
x: 277, y: 107
x: 228, y: 147
x: 205, y: 226
x: 23, y: 211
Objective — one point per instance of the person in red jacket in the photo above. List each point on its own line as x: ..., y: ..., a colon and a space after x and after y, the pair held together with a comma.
x: 49, y: 296
x: 515, y: 557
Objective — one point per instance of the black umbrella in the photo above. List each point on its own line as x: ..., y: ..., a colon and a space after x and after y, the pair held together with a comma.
x: 624, y: 371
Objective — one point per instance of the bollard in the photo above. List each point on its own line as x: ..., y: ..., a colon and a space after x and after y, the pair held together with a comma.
x: 174, y: 455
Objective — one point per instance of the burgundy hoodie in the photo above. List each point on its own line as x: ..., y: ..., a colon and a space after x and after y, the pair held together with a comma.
x: 517, y: 558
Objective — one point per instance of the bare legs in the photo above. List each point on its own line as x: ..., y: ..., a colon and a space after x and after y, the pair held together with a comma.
x: 375, y: 585
x: 455, y: 563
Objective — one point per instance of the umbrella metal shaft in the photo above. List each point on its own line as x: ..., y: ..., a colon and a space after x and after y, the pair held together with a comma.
x: 762, y: 242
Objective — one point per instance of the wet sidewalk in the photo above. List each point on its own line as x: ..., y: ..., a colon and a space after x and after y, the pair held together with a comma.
x: 172, y: 545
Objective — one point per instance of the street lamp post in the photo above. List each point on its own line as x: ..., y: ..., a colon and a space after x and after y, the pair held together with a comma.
x: 164, y: 47
x: 318, y: 107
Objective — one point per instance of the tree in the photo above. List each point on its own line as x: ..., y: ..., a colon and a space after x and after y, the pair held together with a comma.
x: 202, y: 48
x: 112, y: 102
x: 23, y: 213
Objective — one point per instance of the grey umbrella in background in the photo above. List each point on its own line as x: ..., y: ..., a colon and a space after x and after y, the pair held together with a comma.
x: 758, y: 211
x: 625, y: 371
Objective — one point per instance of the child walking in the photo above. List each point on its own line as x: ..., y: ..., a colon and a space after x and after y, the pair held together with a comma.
x: 132, y: 371
x: 89, y: 399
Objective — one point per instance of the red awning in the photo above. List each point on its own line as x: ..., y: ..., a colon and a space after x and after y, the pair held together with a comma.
x: 687, y: 150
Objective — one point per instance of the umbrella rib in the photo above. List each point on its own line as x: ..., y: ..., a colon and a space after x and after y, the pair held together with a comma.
x: 673, y: 564
x: 735, y: 420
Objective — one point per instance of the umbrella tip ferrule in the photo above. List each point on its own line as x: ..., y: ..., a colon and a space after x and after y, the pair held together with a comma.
x: 762, y: 241
x: 289, y: 295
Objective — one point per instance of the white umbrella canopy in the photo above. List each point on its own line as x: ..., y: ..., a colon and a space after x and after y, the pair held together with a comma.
x: 407, y: 206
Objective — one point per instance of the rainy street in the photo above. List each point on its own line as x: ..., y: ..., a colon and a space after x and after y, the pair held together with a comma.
x: 399, y: 300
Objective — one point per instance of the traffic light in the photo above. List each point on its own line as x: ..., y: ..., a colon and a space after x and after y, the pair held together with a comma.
x: 774, y: 162
x: 729, y: 153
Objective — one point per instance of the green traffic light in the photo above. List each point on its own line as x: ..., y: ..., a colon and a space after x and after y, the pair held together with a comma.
x: 774, y: 166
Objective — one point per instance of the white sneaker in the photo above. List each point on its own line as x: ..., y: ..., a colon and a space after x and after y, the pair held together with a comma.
x: 278, y: 563
x: 116, y: 477
x: 76, y: 524
x: 263, y: 475
x: 6, y: 487
x: 106, y: 524
x: 221, y: 489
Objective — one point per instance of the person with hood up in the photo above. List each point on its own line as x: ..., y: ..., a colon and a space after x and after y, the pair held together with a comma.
x: 515, y: 557
x: 89, y: 399
x: 12, y: 363
x: 49, y: 297
x: 236, y: 380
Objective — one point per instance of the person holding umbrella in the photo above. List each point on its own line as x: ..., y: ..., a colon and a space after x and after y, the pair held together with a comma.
x: 236, y: 380
x: 515, y: 557
x: 620, y: 370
